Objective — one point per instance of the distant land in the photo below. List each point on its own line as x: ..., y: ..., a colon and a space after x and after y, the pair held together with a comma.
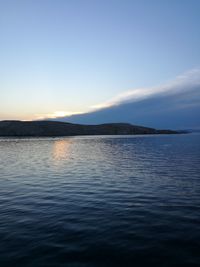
x: 53, y: 128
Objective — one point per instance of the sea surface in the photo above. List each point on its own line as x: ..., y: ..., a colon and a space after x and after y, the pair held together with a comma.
x: 100, y: 201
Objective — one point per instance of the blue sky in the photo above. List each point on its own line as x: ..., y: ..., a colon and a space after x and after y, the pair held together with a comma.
x: 60, y: 57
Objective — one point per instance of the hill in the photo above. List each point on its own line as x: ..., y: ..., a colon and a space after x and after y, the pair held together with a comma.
x: 53, y: 128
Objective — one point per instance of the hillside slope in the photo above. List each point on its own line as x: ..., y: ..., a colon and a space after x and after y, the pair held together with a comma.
x: 52, y: 128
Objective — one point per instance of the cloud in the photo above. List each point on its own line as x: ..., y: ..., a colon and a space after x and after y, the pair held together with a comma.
x: 182, y: 83
x: 174, y: 105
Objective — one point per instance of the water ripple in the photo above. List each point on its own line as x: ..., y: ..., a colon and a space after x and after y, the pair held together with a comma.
x: 100, y: 201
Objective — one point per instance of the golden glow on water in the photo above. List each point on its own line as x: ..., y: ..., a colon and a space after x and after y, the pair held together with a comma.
x: 62, y: 149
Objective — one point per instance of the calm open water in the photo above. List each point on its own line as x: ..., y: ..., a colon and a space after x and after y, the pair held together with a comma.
x: 100, y: 201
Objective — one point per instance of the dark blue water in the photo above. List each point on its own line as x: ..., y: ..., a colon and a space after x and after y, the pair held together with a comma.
x: 100, y: 201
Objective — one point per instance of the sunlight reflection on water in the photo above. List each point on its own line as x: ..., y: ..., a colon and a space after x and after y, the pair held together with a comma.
x: 62, y: 149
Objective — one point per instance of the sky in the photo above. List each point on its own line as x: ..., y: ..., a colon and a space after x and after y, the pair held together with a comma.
x: 60, y: 57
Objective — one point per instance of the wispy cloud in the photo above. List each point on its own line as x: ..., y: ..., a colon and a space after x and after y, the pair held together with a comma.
x: 182, y: 83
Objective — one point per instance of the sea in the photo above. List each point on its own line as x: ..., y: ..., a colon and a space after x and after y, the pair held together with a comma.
x: 100, y: 201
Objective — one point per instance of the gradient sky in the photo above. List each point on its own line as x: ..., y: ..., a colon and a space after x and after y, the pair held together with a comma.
x: 69, y: 55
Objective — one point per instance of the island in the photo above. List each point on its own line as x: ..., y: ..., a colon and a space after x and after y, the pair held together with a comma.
x: 11, y: 128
